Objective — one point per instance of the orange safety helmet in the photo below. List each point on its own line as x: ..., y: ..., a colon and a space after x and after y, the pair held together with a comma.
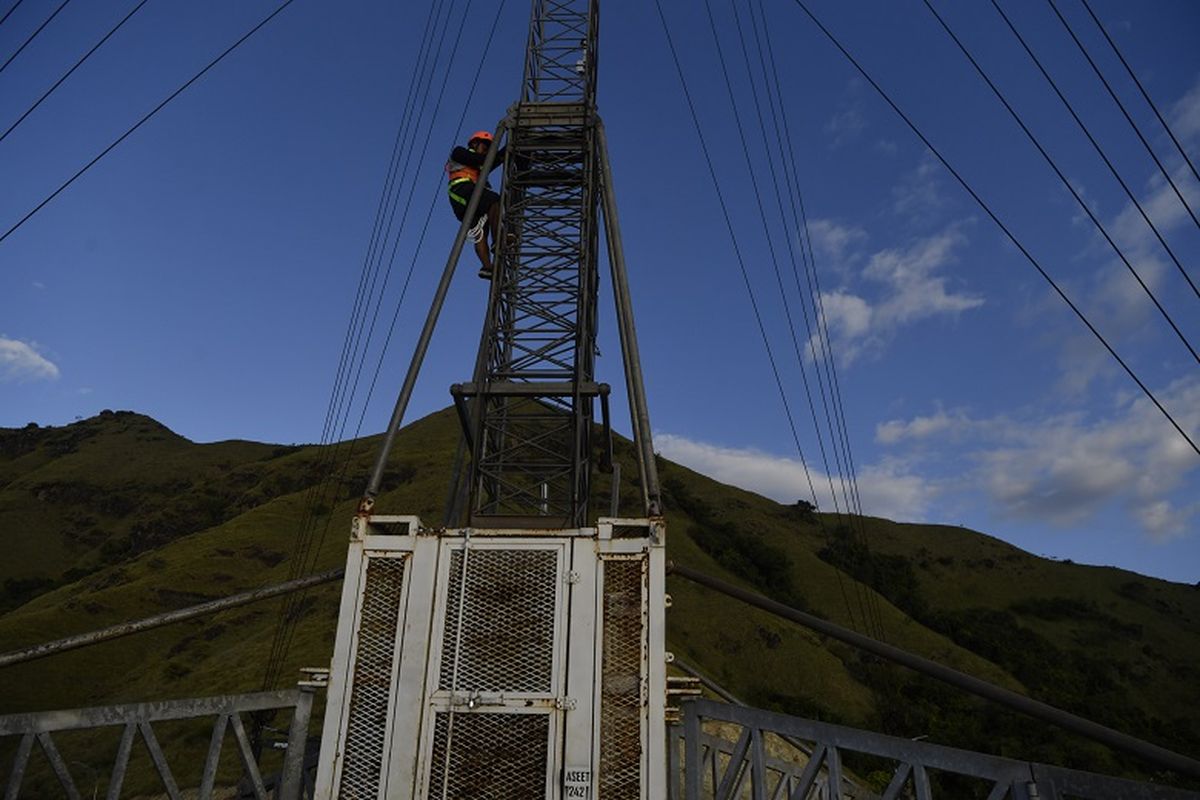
x: 477, y: 135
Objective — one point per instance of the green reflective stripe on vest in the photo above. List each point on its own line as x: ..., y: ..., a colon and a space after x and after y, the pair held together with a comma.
x: 455, y: 198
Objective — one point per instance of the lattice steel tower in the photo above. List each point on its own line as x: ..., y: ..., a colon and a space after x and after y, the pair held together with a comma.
x: 531, y: 426
x: 518, y: 650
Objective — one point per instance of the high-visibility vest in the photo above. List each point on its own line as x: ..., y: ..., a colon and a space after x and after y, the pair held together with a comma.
x: 460, y: 173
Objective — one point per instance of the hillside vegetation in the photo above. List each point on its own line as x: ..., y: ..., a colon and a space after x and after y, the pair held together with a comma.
x: 115, y: 518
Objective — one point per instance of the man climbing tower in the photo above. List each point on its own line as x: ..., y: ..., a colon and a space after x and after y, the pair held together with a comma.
x: 463, y: 168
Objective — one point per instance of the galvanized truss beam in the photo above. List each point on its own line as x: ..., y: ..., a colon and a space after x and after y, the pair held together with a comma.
x: 137, y: 719
x: 166, y: 618
x: 530, y: 431
x: 714, y: 766
x: 1018, y: 702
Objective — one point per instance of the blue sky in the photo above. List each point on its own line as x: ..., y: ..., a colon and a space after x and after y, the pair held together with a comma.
x: 205, y: 270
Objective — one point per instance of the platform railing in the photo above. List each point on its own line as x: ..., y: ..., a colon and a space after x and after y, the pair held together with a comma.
x: 751, y: 758
x: 137, y: 720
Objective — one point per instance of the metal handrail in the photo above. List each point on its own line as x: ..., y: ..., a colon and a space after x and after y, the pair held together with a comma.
x: 771, y: 777
x: 138, y: 719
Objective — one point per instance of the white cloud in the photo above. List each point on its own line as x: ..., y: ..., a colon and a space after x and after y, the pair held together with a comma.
x: 916, y: 292
x: 1185, y: 114
x: 846, y: 124
x: 1113, y: 296
x: 20, y: 362
x: 833, y: 240
x: 896, y: 431
x: 887, y: 489
x: 1068, y: 469
x: 911, y: 291
x: 918, y: 196
x: 39, y: 285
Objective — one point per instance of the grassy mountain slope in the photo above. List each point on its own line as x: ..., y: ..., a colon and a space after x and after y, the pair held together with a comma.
x: 115, y: 518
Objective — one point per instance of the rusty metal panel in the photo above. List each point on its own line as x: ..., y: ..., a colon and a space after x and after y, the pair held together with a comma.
x: 621, y: 677
x: 500, y: 623
x: 490, y: 756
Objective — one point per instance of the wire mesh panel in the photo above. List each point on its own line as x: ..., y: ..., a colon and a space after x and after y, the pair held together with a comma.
x: 489, y: 756
x: 623, y: 642
x: 503, y: 639
x: 367, y: 721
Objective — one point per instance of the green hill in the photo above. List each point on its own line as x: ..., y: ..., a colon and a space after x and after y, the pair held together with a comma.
x: 116, y: 517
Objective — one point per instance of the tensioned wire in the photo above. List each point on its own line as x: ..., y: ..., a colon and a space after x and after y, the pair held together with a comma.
x: 1063, y: 179
x: 812, y: 278
x: 1099, y: 151
x: 354, y: 348
x: 146, y: 118
x: 855, y: 526
x: 733, y: 239
x: 791, y: 247
x: 412, y: 265
x: 8, y: 13
x: 33, y: 35
x: 316, y: 495
x: 1128, y: 118
x: 67, y: 74
x: 1000, y: 224
x: 762, y: 214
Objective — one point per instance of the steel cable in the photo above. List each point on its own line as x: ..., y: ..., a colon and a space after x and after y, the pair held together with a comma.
x: 1124, y: 111
x: 1000, y: 224
x: 359, y: 354
x: 1065, y: 182
x: 872, y: 619
x: 1096, y: 146
x: 8, y: 13
x: 1142, y: 89
x: 847, y: 475
x: 387, y: 340
x: 67, y: 74
x: 145, y: 119
x: 33, y: 35
x: 316, y: 495
x: 729, y: 225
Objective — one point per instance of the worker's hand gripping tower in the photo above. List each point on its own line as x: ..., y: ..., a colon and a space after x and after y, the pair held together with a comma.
x: 517, y: 652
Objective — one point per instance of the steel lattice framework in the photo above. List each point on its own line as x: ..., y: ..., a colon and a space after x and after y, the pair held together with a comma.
x: 534, y: 382
x: 528, y: 412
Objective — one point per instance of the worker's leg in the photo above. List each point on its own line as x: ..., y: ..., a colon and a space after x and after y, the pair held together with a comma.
x: 485, y: 258
x: 493, y: 214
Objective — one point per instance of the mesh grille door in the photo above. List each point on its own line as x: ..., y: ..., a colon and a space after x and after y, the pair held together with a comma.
x: 363, y: 749
x: 623, y: 654
x: 493, y: 716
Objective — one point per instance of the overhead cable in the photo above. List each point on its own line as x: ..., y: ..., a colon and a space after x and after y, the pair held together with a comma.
x: 332, y: 463
x: 812, y: 278
x: 67, y: 74
x: 286, y: 641
x: 33, y: 35
x: 1096, y: 146
x: 8, y: 13
x: 999, y: 223
x: 762, y: 216
x: 1063, y: 178
x: 870, y: 613
x: 1142, y: 89
x: 825, y: 362
x: 1128, y: 117
x: 728, y: 223
x: 145, y: 119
